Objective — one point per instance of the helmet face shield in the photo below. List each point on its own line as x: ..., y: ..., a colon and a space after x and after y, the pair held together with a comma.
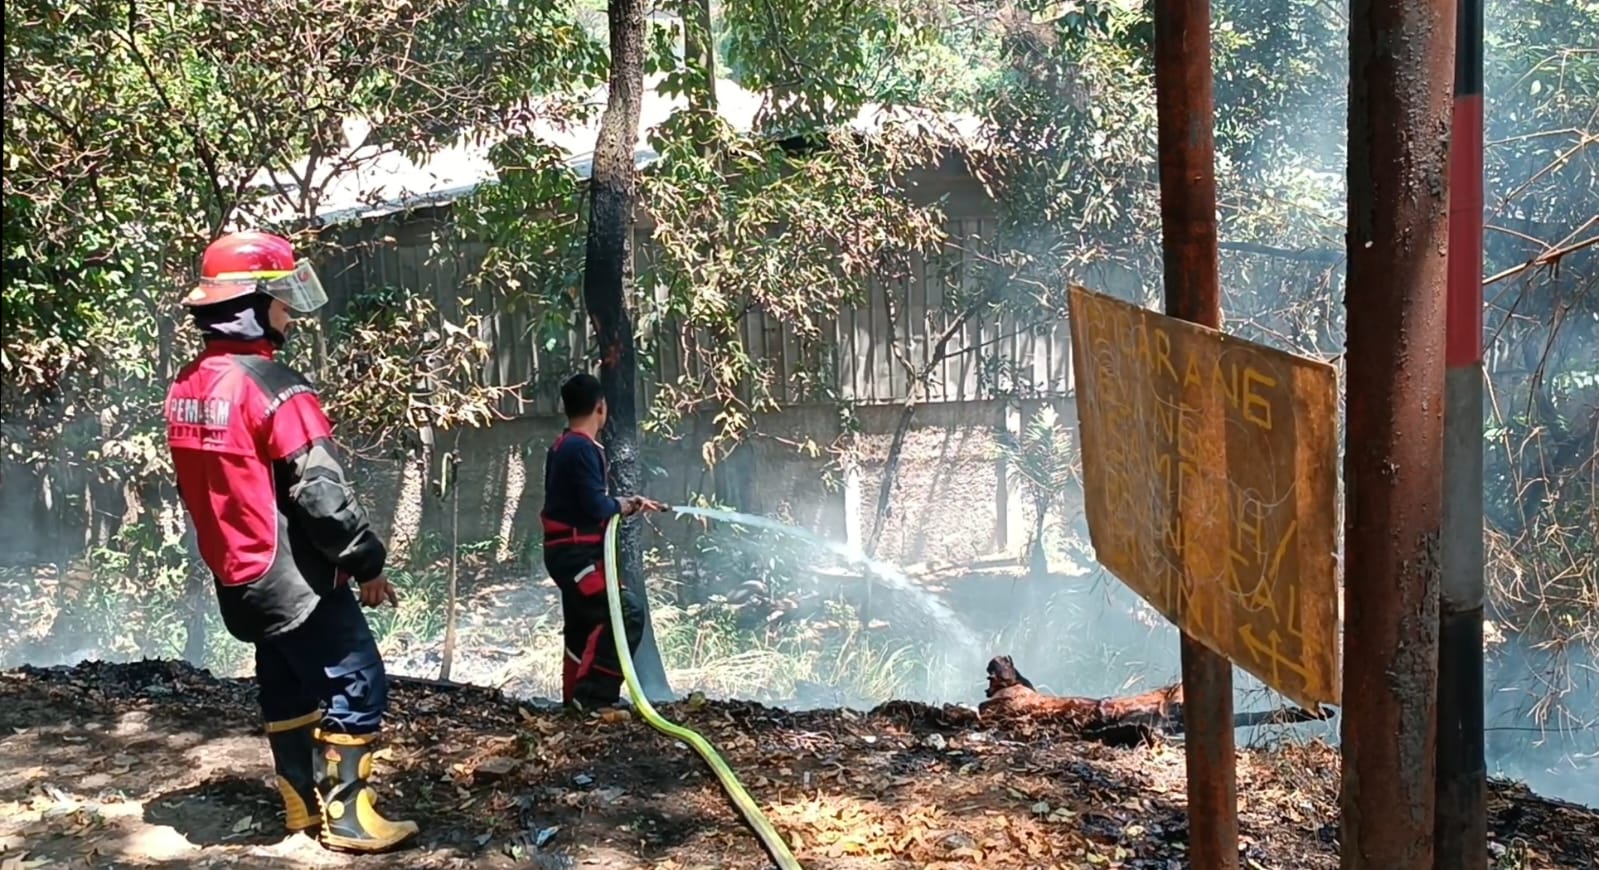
x: 300, y: 289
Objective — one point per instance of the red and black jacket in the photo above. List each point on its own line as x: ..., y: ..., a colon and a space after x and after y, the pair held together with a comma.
x: 275, y: 519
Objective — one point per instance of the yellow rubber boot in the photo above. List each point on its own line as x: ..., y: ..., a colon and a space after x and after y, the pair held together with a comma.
x: 294, y: 762
x: 350, y: 820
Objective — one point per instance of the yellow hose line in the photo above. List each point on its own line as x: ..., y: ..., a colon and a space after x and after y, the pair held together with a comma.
x: 770, y: 838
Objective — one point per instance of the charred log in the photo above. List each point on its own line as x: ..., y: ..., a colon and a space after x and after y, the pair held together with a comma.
x: 1127, y: 720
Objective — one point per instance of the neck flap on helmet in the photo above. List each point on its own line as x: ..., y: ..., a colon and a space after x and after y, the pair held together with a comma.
x: 243, y: 318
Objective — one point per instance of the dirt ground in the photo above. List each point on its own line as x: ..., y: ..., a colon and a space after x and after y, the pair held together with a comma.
x: 159, y: 765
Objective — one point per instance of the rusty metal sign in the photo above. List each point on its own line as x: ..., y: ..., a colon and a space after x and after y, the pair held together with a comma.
x: 1209, y: 471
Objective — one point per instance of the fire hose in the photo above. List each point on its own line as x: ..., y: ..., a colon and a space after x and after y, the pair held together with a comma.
x: 762, y: 826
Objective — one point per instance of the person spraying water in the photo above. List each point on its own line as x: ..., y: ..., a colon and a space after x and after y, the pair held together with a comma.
x: 580, y: 519
x: 577, y: 507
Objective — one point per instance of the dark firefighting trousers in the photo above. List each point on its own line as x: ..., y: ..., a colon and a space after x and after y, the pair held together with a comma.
x: 592, y: 675
x: 329, y: 663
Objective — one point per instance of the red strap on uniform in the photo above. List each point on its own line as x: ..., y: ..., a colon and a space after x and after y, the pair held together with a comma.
x: 557, y: 534
x: 590, y: 650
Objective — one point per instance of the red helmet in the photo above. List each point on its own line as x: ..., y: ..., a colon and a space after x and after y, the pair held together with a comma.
x: 256, y: 262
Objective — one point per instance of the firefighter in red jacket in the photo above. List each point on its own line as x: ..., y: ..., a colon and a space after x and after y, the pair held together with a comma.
x: 283, y: 535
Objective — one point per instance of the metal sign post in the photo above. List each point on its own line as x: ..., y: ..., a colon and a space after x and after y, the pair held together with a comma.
x: 1462, y: 823
x: 1185, y: 107
x: 1401, y: 59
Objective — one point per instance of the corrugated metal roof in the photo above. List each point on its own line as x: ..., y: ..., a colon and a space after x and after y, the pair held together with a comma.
x: 368, y: 182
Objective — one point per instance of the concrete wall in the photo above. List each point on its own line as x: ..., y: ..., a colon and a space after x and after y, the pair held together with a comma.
x: 952, y: 501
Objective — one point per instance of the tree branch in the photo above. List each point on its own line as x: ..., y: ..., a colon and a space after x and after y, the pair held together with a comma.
x: 1322, y: 256
x: 1547, y: 258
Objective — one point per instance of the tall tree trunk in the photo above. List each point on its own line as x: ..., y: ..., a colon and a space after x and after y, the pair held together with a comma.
x: 607, y: 274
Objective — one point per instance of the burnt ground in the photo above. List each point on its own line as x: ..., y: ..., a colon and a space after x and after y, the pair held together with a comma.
x: 160, y: 765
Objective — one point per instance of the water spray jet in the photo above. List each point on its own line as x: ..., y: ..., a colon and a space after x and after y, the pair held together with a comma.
x: 960, y: 637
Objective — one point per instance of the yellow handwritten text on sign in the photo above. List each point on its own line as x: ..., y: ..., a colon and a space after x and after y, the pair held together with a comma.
x: 1209, y: 469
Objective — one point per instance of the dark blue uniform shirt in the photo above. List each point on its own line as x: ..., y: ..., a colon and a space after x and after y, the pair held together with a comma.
x: 575, y: 494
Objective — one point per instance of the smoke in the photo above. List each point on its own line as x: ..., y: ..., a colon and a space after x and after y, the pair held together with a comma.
x: 793, y: 619
x: 785, y: 619
x: 1542, y: 719
x: 1078, y: 631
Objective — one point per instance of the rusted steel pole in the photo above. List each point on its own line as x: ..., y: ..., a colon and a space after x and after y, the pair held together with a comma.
x: 1401, y: 55
x: 1185, y: 107
x: 1462, y: 823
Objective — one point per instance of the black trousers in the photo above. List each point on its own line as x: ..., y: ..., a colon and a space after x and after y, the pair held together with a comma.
x: 330, y: 662
x: 591, y: 675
